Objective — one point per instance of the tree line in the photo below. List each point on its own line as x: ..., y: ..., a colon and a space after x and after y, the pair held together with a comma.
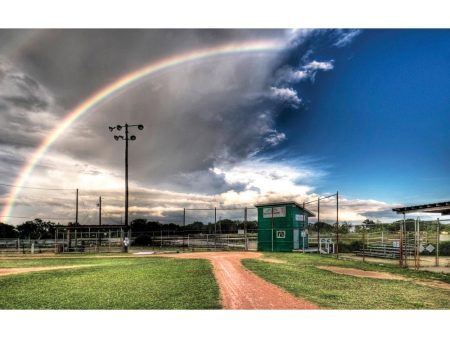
x: 39, y: 229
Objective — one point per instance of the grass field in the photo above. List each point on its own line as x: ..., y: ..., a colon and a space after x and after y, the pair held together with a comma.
x: 163, y: 283
x: 300, y: 276
x: 110, y: 283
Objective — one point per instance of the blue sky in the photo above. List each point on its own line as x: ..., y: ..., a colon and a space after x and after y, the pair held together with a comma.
x: 379, y: 121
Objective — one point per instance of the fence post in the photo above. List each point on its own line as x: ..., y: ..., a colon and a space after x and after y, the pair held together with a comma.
x: 272, y: 229
x: 245, y: 229
x: 188, y: 241
x: 416, y: 243
x: 337, y: 224
x: 161, y: 239
x: 364, y: 243
x: 437, y: 242
x: 318, y: 226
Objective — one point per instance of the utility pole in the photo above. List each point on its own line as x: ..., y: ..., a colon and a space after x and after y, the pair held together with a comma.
x: 99, y: 204
x: 76, y: 210
x: 126, y: 138
x: 76, y: 220
x: 215, y: 221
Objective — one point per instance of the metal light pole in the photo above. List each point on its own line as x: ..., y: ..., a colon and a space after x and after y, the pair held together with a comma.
x: 126, y: 138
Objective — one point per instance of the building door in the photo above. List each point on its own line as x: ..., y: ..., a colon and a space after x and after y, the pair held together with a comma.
x: 296, y: 239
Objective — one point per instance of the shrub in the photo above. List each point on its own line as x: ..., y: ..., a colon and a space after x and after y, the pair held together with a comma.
x: 142, y: 240
x: 350, y: 247
x: 444, y: 248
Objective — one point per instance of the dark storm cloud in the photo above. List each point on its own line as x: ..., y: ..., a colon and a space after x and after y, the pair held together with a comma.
x: 201, y: 115
x: 195, y: 117
x: 24, y: 103
x: 75, y: 63
x: 30, y: 103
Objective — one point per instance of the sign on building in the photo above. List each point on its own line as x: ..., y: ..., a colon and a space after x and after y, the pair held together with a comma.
x: 281, y: 234
x: 277, y: 212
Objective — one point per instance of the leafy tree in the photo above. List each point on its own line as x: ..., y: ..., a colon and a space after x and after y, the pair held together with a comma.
x: 344, y: 227
x: 8, y: 231
x: 322, y: 227
x: 138, y: 225
x: 36, y: 229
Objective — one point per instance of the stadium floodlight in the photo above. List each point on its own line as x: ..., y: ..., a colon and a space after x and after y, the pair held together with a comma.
x: 126, y: 138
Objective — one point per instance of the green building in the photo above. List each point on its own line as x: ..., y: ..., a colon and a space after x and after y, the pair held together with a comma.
x: 282, y: 226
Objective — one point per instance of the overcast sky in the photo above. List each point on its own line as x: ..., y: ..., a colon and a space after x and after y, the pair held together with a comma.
x: 362, y: 112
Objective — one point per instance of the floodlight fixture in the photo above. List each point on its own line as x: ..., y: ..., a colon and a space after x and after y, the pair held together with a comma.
x: 132, y: 137
x: 111, y: 128
x: 119, y: 127
x: 116, y: 137
x: 140, y: 127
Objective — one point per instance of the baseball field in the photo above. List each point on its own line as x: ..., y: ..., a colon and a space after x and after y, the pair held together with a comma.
x: 215, y: 280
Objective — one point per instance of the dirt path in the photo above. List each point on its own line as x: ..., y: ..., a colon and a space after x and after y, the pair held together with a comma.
x: 361, y: 273
x: 242, y: 289
x: 384, y: 275
x: 14, y: 271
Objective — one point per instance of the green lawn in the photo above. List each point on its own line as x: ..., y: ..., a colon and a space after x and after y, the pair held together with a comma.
x: 300, y: 276
x: 113, y: 283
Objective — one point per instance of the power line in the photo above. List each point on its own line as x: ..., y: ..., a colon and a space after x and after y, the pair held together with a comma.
x: 39, y: 188
x: 34, y: 217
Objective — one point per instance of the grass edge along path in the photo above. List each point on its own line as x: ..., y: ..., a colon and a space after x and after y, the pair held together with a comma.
x: 300, y: 276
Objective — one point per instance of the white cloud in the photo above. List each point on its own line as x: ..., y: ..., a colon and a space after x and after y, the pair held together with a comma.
x: 285, y: 95
x: 267, y: 180
x: 296, y: 37
x: 346, y: 37
x: 275, y: 138
x: 306, y: 72
x: 317, y: 65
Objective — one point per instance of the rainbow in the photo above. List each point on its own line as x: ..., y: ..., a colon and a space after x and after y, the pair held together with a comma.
x: 116, y: 86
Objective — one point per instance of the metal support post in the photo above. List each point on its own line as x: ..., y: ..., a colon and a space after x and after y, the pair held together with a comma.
x: 364, y: 243
x: 438, y: 229
x: 245, y: 229
x: 337, y: 224
x: 272, y: 229
x: 318, y: 226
